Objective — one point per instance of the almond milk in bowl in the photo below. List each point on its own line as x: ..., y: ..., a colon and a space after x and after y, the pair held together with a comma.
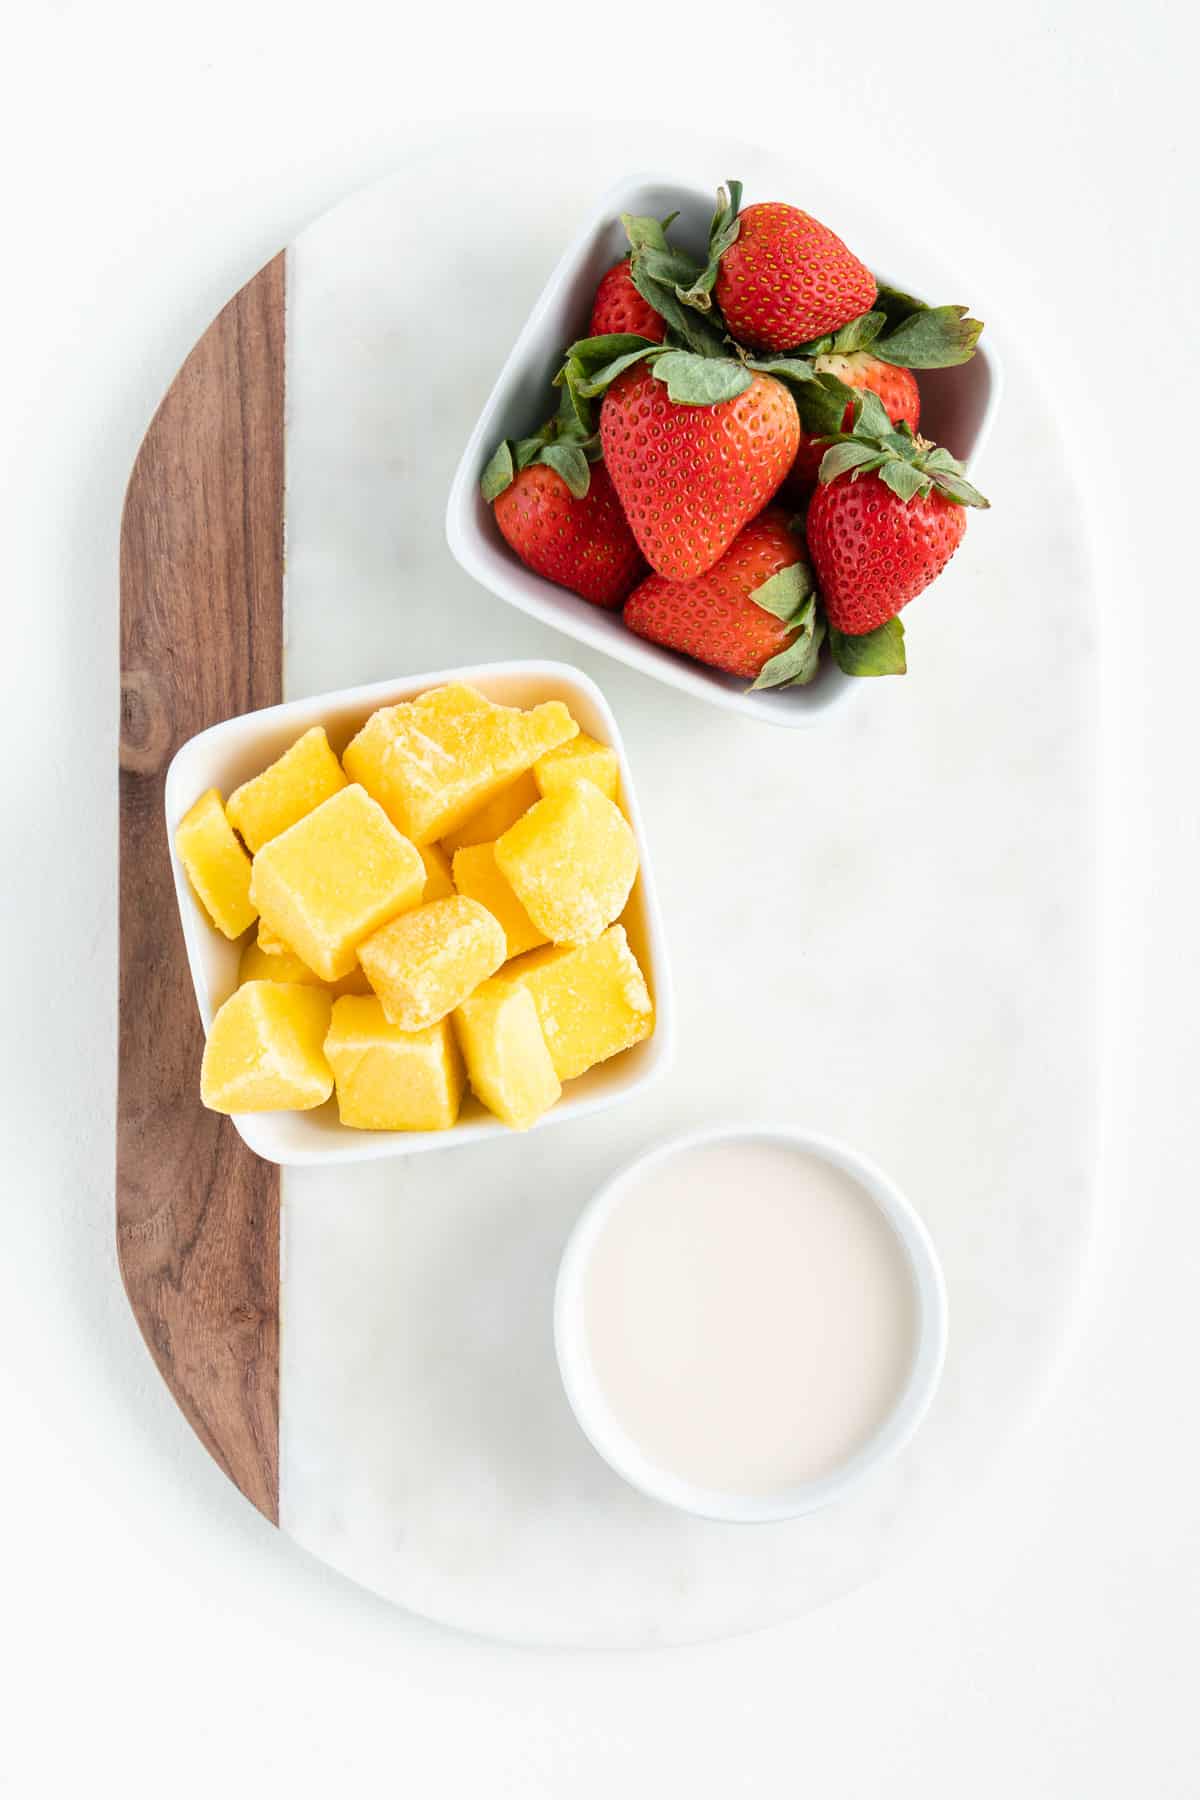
x: 748, y: 1321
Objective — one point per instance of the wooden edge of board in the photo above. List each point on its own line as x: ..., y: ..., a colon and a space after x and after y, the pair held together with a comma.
x: 197, y: 1214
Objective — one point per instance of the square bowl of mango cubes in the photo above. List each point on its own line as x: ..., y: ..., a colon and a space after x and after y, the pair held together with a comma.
x: 418, y: 914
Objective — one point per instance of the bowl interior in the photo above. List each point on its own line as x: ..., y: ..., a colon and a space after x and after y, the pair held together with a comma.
x: 231, y: 752
x: 958, y: 405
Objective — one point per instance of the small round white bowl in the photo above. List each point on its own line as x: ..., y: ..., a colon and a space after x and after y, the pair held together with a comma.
x: 605, y: 1431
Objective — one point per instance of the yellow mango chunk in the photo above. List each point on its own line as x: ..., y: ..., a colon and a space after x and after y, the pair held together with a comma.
x: 270, y: 942
x: 392, y: 1080
x: 592, y: 1001
x: 216, y: 865
x: 425, y: 962
x: 298, y: 781
x: 265, y: 1050
x: 476, y: 875
x: 571, y: 862
x: 259, y: 964
x: 334, y: 877
x: 439, y: 884
x: 508, y: 1064
x: 583, y: 758
x: 433, y: 761
x: 485, y: 825
x: 284, y: 965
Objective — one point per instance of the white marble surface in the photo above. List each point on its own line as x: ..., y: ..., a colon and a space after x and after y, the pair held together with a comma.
x: 884, y: 931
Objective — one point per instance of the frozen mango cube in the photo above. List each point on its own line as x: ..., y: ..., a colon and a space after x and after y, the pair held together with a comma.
x: 284, y: 965
x: 508, y: 1064
x: 439, y: 884
x: 476, y: 875
x: 270, y: 942
x: 592, y: 1001
x: 392, y: 1080
x: 334, y: 877
x: 299, y: 780
x: 273, y: 957
x: 265, y: 1050
x: 433, y: 761
x: 425, y: 962
x: 216, y: 865
x: 571, y: 862
x: 582, y: 758
x: 485, y: 825
x: 261, y: 964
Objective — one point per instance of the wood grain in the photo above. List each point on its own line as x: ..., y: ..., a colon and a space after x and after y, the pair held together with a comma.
x: 201, y: 640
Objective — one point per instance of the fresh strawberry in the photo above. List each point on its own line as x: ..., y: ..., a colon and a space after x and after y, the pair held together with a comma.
x: 885, y: 520
x: 753, y: 614
x: 581, y: 541
x: 783, y: 279
x: 897, y: 388
x: 875, y: 552
x: 618, y: 307
x: 556, y: 507
x: 688, y: 474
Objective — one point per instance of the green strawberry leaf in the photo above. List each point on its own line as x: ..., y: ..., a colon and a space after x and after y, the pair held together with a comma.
x: 871, y: 415
x: 722, y: 232
x: 569, y: 461
x: 956, y: 488
x: 822, y: 404
x: 934, y: 337
x: 879, y: 652
x: 786, y: 593
x: 701, y: 380
x: 574, y: 408
x: 729, y: 205
x: 605, y: 375
x: 696, y: 332
x: 859, y: 333
x: 674, y: 268
x: 903, y: 478
x: 895, y: 304
x: 789, y: 368
x: 644, y: 233
x: 796, y: 666
x: 940, y: 459
x: 841, y: 458
x: 527, y: 450
x: 498, y: 473
x: 592, y: 353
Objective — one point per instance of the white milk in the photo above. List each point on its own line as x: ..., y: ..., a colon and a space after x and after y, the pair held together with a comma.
x: 749, y: 1314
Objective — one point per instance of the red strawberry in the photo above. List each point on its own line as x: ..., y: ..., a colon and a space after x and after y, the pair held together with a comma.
x: 883, y: 522
x: 787, y: 279
x: 716, y: 617
x: 582, y: 544
x: 874, y: 552
x: 619, y: 307
x: 897, y: 388
x: 690, y: 476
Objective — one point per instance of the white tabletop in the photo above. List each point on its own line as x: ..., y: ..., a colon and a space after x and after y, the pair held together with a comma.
x: 1044, y: 1643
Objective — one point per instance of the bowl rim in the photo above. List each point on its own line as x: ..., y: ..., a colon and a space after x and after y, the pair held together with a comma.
x: 515, y: 585
x: 257, y: 1129
x: 603, y: 1429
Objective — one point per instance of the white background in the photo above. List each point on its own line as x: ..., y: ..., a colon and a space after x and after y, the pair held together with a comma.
x: 154, y: 157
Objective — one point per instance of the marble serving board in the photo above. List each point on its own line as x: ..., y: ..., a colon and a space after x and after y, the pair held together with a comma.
x: 883, y: 929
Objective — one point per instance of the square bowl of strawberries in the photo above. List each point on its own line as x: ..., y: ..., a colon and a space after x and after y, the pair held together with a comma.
x: 727, y: 452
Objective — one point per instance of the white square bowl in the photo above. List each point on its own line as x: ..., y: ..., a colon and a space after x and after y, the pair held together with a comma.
x: 236, y: 749
x: 958, y: 406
